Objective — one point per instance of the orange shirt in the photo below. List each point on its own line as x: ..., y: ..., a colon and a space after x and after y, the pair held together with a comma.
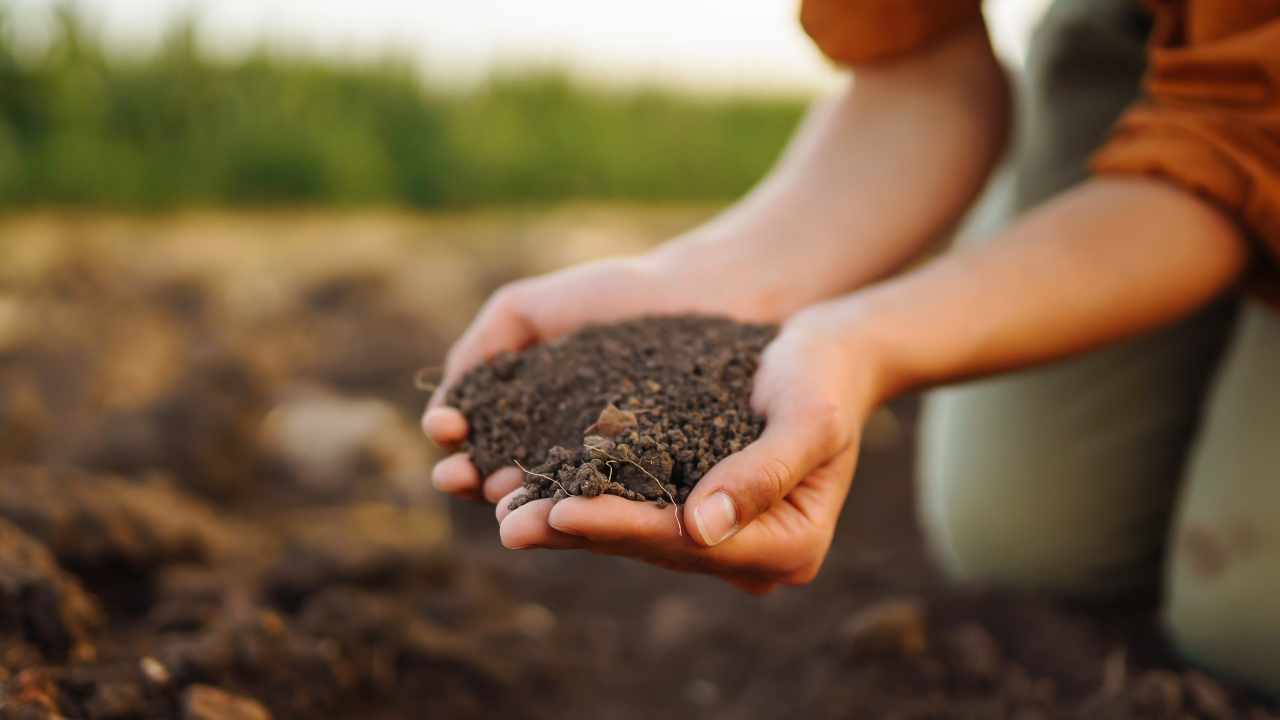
x: 1211, y: 118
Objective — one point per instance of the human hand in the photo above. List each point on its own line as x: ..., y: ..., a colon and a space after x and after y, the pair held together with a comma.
x: 762, y: 517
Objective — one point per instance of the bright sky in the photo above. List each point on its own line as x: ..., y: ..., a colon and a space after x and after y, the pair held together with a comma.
x: 708, y: 44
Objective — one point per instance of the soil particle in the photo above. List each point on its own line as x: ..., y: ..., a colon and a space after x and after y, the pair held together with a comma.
x: 893, y: 627
x: 642, y: 409
x: 202, y: 702
x: 154, y: 671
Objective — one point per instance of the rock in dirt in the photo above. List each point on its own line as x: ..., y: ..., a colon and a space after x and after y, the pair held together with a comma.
x: 154, y: 671
x: 202, y: 702
x: 40, y: 604
x: 894, y: 627
x: 642, y: 409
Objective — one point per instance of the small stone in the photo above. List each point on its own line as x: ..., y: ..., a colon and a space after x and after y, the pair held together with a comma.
x: 1208, y: 696
x: 1159, y: 691
x: 893, y: 627
x: 203, y: 702
x: 613, y: 421
x: 154, y: 671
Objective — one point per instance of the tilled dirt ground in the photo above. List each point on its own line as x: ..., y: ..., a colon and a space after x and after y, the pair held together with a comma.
x: 213, y: 504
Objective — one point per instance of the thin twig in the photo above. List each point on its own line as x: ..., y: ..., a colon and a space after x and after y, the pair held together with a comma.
x: 675, y: 509
x: 563, y: 489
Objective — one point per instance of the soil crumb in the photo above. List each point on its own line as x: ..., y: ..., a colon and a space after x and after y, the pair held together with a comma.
x: 642, y: 409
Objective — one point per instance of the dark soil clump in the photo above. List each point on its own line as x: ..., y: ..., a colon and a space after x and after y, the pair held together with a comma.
x: 642, y: 409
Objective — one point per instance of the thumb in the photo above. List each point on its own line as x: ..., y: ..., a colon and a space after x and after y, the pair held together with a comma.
x: 795, y: 442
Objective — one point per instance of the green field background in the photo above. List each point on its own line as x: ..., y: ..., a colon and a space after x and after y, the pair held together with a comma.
x: 82, y: 126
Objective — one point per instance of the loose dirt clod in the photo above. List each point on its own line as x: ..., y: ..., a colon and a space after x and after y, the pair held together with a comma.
x: 641, y: 409
x: 203, y: 702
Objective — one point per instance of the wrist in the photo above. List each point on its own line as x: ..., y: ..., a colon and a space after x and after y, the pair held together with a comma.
x: 847, y: 330
x: 723, y: 273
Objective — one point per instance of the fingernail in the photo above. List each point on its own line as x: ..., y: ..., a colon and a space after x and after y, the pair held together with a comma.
x: 717, y: 518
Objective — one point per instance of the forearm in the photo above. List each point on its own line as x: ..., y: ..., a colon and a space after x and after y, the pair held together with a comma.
x: 870, y: 179
x: 1111, y: 259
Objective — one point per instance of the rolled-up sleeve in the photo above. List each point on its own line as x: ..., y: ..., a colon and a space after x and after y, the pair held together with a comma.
x: 1210, y: 121
x: 853, y: 32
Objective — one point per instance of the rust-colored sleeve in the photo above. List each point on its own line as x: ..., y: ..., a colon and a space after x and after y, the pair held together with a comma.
x: 852, y: 32
x: 1211, y: 119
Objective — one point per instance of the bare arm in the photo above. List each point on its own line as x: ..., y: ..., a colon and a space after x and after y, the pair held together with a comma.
x: 870, y: 179
x: 1110, y: 259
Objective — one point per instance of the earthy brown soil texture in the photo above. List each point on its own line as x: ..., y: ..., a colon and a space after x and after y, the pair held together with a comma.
x: 642, y: 409
x: 209, y: 509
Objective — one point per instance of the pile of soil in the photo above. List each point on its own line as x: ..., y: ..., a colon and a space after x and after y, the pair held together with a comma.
x: 642, y: 409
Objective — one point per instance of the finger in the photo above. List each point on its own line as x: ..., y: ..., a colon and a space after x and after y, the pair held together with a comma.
x: 445, y: 426
x: 501, y: 483
x: 611, y: 519
x: 749, y: 482
x: 456, y: 475
x: 500, y: 325
x: 503, y: 507
x: 527, y: 527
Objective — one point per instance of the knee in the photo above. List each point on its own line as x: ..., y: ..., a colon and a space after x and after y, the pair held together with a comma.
x: 981, y: 530
x: 1222, y: 612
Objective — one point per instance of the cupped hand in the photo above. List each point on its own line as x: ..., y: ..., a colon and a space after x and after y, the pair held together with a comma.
x: 539, y: 309
x: 761, y: 517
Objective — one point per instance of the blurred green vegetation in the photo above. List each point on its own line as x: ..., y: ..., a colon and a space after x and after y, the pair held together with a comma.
x: 82, y: 126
